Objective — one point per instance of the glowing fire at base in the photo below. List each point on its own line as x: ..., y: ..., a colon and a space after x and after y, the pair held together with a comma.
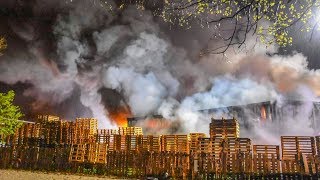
x: 120, y: 117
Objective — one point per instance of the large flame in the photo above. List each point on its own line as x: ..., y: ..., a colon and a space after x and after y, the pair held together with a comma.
x: 120, y: 116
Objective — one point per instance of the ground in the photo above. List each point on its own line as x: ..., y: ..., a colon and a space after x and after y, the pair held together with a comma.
x: 26, y: 175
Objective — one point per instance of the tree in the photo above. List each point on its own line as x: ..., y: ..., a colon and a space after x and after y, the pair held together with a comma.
x: 9, y: 114
x: 233, y: 20
x: 3, y: 44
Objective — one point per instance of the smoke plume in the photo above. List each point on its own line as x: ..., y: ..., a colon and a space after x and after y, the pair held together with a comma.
x: 83, y: 49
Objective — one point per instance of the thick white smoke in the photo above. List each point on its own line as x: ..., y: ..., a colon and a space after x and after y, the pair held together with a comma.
x: 144, y: 93
x: 133, y: 56
x: 226, y: 91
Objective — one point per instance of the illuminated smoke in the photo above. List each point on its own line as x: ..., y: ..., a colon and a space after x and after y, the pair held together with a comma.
x: 131, y: 54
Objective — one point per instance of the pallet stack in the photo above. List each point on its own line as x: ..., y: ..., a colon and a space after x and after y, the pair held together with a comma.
x: 126, y: 152
x: 151, y: 143
x: 208, y: 156
x: 130, y: 131
x: 194, y: 141
x: 224, y: 128
x: 98, y: 153
x: 47, y: 118
x: 236, y: 155
x: 26, y: 135
x: 317, y: 139
x: 66, y: 133
x: 85, y: 130
x: 106, y: 136
x: 79, y: 153
x: 134, y: 142
x: 174, y: 143
x: 266, y: 159
x: 49, y: 129
x: 294, y: 151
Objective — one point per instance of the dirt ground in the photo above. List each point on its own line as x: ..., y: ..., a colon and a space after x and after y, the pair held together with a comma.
x: 26, y: 175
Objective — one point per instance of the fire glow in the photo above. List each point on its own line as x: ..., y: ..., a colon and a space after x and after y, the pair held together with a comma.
x: 263, y: 113
x: 120, y: 117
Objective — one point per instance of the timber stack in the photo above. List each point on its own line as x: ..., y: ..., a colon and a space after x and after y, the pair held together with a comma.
x: 53, y: 144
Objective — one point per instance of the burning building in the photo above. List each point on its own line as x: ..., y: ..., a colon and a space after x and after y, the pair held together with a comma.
x: 270, y: 112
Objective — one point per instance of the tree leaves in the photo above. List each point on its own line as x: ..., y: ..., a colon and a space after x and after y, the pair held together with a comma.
x: 9, y: 114
x: 3, y: 44
x: 270, y: 20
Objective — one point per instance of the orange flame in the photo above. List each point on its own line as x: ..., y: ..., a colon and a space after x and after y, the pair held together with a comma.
x: 120, y: 117
x: 263, y: 113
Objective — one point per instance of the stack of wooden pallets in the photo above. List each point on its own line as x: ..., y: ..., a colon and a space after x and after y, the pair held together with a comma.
x: 209, y: 155
x: 236, y: 155
x: 98, y: 153
x: 85, y: 130
x: 130, y: 131
x: 294, y: 151
x: 266, y: 159
x: 225, y: 128
x: 79, y: 153
x: 151, y: 143
x: 174, y: 143
x: 194, y: 141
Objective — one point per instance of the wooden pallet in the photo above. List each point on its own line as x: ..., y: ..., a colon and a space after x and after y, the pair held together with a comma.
x: 194, y: 141
x: 174, y: 143
x: 293, y: 149
x: 90, y: 124
x: 210, y: 146
x: 130, y: 131
x: 207, y: 159
x: 107, y: 131
x: 66, y: 132
x: 134, y: 142
x: 228, y: 128
x: 151, y: 143
x: 313, y: 166
x: 295, y: 146
x: 266, y: 159
x: 317, y: 138
x: 79, y: 153
x: 98, y: 153
x: 126, y: 142
x: 85, y: 130
x: 236, y: 155
x: 46, y: 118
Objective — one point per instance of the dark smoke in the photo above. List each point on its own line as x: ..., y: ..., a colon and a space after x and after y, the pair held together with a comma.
x: 79, y: 58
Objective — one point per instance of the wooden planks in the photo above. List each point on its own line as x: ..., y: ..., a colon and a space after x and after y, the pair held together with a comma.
x: 194, y: 141
x: 293, y: 149
x: 174, y: 143
x: 79, y: 153
x: 125, y: 151
x: 236, y: 155
x: 317, y: 139
x: 266, y: 159
x: 225, y: 128
x: 85, y: 130
x: 130, y: 131
x: 98, y: 153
